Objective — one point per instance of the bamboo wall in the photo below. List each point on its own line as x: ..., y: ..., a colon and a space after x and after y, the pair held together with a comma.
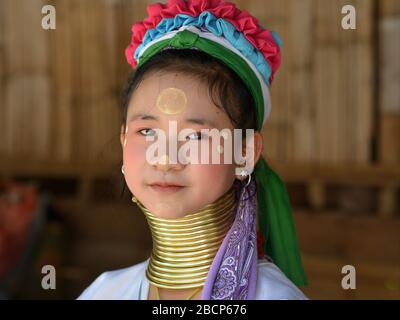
x: 323, y: 96
x: 59, y: 89
x: 389, y: 82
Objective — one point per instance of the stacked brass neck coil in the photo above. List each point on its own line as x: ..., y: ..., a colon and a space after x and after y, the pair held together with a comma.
x: 184, y: 248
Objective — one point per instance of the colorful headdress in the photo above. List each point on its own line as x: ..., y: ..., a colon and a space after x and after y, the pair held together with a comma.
x: 253, y: 52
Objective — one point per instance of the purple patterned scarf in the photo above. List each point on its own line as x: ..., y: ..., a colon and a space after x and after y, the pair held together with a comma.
x: 233, y: 272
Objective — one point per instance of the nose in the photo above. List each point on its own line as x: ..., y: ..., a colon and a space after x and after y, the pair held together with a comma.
x: 164, y: 164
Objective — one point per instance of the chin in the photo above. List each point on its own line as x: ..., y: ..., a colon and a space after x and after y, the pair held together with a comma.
x: 168, y: 215
x: 166, y: 211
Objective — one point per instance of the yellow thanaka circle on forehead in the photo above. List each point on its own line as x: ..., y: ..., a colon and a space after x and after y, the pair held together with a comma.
x: 171, y: 101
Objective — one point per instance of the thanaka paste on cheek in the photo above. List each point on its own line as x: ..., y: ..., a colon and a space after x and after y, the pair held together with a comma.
x: 172, y: 101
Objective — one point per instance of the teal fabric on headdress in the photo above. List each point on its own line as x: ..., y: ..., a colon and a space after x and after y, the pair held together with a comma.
x: 276, y: 222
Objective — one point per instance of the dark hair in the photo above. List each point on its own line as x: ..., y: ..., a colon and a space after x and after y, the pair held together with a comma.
x: 226, y: 88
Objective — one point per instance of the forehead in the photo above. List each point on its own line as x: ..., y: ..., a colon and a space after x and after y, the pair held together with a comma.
x: 153, y: 88
x: 155, y: 82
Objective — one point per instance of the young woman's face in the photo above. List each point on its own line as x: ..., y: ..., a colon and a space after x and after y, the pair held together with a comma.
x: 159, y: 101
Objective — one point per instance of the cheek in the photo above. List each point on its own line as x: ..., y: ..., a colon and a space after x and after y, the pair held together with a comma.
x: 221, y: 175
x: 224, y: 151
x: 134, y: 152
x: 211, y: 181
x: 134, y: 158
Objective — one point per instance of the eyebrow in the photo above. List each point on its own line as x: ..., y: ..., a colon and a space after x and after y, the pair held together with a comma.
x: 200, y: 121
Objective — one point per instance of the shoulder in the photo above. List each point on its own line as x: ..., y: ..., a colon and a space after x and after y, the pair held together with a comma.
x: 272, y: 284
x: 123, y: 283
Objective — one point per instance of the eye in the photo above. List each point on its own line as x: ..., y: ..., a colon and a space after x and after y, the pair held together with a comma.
x: 145, y: 133
x: 197, y: 135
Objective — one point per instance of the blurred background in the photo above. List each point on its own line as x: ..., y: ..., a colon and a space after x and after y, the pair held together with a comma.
x: 333, y: 136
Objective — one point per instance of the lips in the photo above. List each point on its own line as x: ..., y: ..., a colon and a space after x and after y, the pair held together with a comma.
x: 165, y: 184
x: 165, y: 187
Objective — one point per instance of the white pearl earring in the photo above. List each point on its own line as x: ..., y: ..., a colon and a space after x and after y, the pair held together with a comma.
x: 244, y: 173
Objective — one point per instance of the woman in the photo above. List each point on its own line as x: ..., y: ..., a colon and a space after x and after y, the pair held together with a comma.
x: 203, y: 66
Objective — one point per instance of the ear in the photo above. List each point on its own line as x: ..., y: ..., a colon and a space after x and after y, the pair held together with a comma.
x: 257, y: 146
x: 256, y: 143
x: 122, y: 135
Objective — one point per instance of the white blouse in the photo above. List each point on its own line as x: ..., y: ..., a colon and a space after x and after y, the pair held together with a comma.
x: 132, y: 284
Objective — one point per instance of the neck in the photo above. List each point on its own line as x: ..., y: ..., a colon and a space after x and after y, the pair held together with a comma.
x: 184, y: 248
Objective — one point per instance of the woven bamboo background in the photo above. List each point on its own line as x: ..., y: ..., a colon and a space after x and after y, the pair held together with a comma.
x: 59, y: 88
